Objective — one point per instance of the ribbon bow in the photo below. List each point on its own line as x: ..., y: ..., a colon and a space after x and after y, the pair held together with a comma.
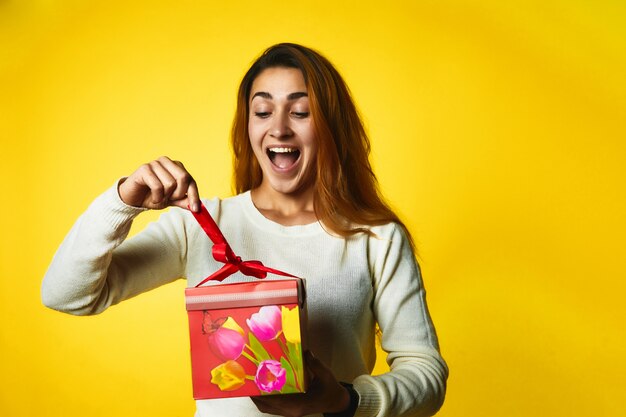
x: 222, y: 252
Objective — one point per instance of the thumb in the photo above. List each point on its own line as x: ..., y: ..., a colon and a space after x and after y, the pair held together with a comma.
x: 316, y: 368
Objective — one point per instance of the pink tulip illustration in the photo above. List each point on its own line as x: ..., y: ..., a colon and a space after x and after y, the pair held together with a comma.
x: 224, y: 342
x: 270, y: 376
x: 266, y: 324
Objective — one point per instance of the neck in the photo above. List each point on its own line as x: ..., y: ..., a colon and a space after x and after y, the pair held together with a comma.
x: 286, y: 209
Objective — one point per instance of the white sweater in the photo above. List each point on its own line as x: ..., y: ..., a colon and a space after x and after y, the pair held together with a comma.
x: 352, y: 284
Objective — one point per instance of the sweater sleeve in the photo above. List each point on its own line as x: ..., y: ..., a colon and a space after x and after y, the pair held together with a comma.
x: 416, y: 382
x: 96, y: 267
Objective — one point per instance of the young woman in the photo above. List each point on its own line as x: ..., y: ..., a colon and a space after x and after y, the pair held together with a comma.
x: 307, y: 202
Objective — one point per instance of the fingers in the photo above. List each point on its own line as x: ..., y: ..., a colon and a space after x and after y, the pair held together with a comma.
x: 324, y: 394
x: 316, y: 369
x: 186, y: 194
x: 193, y: 196
x: 181, y: 189
x: 159, y: 184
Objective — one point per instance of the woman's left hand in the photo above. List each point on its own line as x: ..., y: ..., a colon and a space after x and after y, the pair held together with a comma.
x: 324, y: 395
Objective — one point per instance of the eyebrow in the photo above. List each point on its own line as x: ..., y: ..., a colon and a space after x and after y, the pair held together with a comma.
x: 292, y: 96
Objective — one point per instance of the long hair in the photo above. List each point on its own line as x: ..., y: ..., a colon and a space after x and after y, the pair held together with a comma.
x: 347, y: 199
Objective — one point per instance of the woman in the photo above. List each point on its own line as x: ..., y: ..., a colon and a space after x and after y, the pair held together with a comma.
x: 307, y: 202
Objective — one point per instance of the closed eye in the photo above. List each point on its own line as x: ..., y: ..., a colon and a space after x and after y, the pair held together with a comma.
x: 262, y: 114
x: 300, y: 115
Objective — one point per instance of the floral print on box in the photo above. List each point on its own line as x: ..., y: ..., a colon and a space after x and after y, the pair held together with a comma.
x: 232, y: 343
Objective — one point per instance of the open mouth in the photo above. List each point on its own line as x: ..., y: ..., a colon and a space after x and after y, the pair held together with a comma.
x: 283, y: 157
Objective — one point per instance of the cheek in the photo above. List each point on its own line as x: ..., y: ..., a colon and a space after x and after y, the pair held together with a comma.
x: 257, y: 128
x: 253, y: 135
x: 311, y: 142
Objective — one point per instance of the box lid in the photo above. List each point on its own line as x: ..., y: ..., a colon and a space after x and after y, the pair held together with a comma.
x: 245, y: 294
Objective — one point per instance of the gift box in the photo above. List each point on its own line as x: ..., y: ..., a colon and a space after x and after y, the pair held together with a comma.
x: 246, y: 338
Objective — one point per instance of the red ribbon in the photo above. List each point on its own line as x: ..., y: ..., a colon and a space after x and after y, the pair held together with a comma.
x: 222, y: 252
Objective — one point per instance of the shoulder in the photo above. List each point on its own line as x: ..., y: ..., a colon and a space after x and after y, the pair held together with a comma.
x: 389, y: 245
x: 388, y: 234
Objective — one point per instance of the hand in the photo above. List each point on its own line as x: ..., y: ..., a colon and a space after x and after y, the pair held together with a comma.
x: 324, y: 395
x: 159, y: 184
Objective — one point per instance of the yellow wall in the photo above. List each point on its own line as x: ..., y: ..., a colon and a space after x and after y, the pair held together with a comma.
x: 498, y: 133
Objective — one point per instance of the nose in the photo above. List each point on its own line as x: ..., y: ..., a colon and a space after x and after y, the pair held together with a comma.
x: 280, y: 126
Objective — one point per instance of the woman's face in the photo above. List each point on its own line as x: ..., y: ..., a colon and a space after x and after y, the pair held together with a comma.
x: 281, y: 130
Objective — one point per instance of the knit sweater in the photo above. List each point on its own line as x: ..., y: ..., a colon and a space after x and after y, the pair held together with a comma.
x: 352, y: 284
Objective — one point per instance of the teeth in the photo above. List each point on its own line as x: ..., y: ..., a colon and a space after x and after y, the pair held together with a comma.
x: 282, y: 150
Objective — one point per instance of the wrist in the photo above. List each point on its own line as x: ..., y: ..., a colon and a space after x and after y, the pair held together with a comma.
x: 125, y: 193
x: 351, y: 402
x: 120, y: 192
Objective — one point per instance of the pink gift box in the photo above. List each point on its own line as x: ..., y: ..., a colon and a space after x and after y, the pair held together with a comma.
x: 247, y: 338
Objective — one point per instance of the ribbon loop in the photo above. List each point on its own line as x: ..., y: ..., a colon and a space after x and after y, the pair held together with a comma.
x: 222, y: 252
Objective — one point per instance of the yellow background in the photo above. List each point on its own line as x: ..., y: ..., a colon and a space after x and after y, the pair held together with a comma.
x: 498, y: 131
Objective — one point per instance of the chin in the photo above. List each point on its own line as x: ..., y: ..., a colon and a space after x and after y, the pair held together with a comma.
x: 285, y: 188
x: 288, y: 187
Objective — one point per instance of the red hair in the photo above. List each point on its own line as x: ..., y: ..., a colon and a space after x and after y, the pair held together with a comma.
x: 347, y: 197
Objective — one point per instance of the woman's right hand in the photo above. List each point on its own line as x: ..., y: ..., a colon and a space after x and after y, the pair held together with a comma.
x: 159, y: 184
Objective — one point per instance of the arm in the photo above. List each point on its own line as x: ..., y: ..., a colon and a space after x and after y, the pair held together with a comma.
x: 95, y: 267
x: 416, y: 382
x: 415, y: 386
